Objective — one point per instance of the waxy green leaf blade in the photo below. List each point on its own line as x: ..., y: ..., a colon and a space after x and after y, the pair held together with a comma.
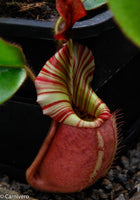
x: 127, y: 15
x: 12, y: 72
x: 92, y: 4
x: 10, y: 81
x: 11, y: 55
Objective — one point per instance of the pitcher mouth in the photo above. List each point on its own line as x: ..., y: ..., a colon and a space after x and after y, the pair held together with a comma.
x: 83, y: 115
x: 97, y: 119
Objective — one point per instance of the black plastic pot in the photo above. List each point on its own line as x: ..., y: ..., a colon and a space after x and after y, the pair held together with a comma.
x: 116, y: 77
x: 93, y: 26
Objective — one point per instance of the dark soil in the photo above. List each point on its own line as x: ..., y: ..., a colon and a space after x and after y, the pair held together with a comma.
x: 29, y: 9
x: 121, y: 183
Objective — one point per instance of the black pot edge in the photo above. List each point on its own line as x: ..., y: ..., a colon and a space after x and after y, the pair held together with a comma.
x: 94, y: 26
x: 44, y: 29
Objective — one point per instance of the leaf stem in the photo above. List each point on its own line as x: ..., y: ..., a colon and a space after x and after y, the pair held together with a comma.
x: 30, y: 73
x: 56, y: 29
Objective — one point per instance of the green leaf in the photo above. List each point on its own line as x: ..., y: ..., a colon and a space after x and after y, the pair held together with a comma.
x: 12, y: 72
x: 11, y: 55
x: 10, y: 81
x: 92, y: 4
x: 127, y: 15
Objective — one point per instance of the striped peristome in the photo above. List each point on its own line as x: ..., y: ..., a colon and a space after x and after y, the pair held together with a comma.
x: 64, y: 83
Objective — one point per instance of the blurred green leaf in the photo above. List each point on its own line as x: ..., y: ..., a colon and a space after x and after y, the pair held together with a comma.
x: 92, y: 4
x: 12, y: 72
x: 127, y: 15
x: 10, y: 81
x: 11, y: 55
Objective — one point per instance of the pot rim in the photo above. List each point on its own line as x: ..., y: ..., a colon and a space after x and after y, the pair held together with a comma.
x: 44, y: 29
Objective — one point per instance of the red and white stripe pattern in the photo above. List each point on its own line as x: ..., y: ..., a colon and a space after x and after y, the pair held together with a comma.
x: 64, y: 81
